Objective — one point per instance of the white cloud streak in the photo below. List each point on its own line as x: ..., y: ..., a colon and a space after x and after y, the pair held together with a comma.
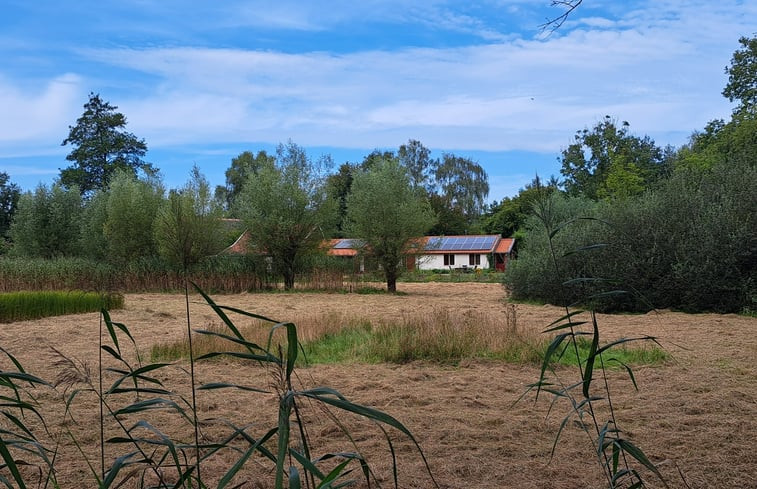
x: 660, y: 68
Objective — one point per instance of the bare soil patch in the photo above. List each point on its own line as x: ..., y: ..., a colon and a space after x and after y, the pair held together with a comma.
x: 697, y: 414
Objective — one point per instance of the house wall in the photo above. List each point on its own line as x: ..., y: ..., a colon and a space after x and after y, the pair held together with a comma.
x: 436, y: 261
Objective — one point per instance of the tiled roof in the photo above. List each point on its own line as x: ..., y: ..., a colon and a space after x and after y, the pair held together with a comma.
x: 505, y: 245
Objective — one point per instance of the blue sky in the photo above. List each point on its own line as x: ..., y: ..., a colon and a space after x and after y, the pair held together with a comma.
x: 203, y: 81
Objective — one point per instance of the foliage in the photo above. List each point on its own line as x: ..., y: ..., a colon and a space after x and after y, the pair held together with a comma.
x: 226, y: 274
x: 239, y: 172
x: 420, y: 167
x: 286, y: 209
x: 688, y: 240
x: 509, y: 215
x: 721, y: 142
x: 689, y: 244
x: 130, y: 216
x: 101, y: 147
x: 188, y: 225
x: 46, y: 223
x: 608, y: 162
x: 742, y: 77
x: 531, y: 276
x: 9, y: 195
x: 23, y: 306
x: 338, y: 187
x: 385, y: 211
x: 463, y: 186
x: 92, y: 241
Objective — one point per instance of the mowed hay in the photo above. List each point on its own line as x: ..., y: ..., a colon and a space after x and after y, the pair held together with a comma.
x: 695, y: 413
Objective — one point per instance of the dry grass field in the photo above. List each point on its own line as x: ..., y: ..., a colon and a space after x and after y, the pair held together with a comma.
x: 696, y: 414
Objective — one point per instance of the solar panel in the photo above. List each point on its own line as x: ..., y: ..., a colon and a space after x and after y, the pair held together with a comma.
x: 458, y: 243
x: 345, y: 244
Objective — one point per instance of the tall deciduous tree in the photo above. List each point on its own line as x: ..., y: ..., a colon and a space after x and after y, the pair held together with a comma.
x: 286, y: 209
x: 101, y: 147
x: 462, y: 186
x: 608, y: 162
x: 420, y: 166
x: 46, y: 223
x: 130, y: 216
x: 93, y: 243
x: 241, y: 168
x: 188, y: 225
x: 386, y: 212
x: 9, y: 195
x: 338, y: 187
x: 742, y: 76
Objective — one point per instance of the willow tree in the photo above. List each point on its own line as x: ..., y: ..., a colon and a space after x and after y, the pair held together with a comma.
x: 386, y: 212
x: 286, y: 209
x: 188, y: 226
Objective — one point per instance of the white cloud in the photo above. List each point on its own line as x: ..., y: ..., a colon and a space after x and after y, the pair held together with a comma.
x: 660, y: 68
x: 31, y: 116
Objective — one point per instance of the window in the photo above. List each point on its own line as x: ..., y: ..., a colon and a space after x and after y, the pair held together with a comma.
x: 474, y: 259
x: 449, y: 259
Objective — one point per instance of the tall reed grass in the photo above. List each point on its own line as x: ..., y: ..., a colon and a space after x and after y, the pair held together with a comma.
x: 588, y: 395
x: 216, y: 274
x: 26, y: 305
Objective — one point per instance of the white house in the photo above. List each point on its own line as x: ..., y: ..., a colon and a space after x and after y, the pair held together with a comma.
x: 463, y: 252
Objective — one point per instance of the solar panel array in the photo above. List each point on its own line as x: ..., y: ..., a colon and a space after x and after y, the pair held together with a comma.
x: 348, y: 244
x: 459, y: 243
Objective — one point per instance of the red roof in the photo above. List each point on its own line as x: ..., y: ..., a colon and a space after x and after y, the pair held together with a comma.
x: 505, y: 245
x: 332, y: 250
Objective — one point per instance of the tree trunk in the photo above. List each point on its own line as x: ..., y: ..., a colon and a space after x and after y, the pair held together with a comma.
x: 288, y: 278
x: 391, y: 281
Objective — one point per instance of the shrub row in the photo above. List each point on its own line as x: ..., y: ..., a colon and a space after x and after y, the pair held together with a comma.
x: 689, y: 244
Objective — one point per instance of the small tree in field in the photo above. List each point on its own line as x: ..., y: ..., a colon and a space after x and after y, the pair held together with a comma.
x: 130, y: 216
x: 188, y: 225
x: 286, y: 209
x: 46, y: 223
x: 386, y: 212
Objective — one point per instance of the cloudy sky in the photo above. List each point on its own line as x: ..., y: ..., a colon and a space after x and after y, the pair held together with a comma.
x: 203, y: 81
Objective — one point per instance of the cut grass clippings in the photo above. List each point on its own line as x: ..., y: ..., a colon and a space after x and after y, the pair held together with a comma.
x: 28, y: 305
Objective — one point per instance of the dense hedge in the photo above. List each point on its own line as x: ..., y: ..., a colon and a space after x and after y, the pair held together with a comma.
x: 689, y: 244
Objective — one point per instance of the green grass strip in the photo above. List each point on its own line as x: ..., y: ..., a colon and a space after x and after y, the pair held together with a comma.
x: 28, y: 305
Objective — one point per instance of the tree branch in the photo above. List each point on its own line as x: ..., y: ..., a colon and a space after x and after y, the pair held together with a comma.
x: 555, y: 23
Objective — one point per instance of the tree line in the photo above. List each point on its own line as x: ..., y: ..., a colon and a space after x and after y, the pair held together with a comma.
x: 675, y: 222
x: 111, y: 205
x: 642, y: 226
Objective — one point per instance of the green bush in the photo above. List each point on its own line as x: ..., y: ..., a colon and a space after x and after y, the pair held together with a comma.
x: 688, y: 244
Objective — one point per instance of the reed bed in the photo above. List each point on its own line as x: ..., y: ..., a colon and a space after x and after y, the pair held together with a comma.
x: 26, y: 305
x: 218, y: 274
